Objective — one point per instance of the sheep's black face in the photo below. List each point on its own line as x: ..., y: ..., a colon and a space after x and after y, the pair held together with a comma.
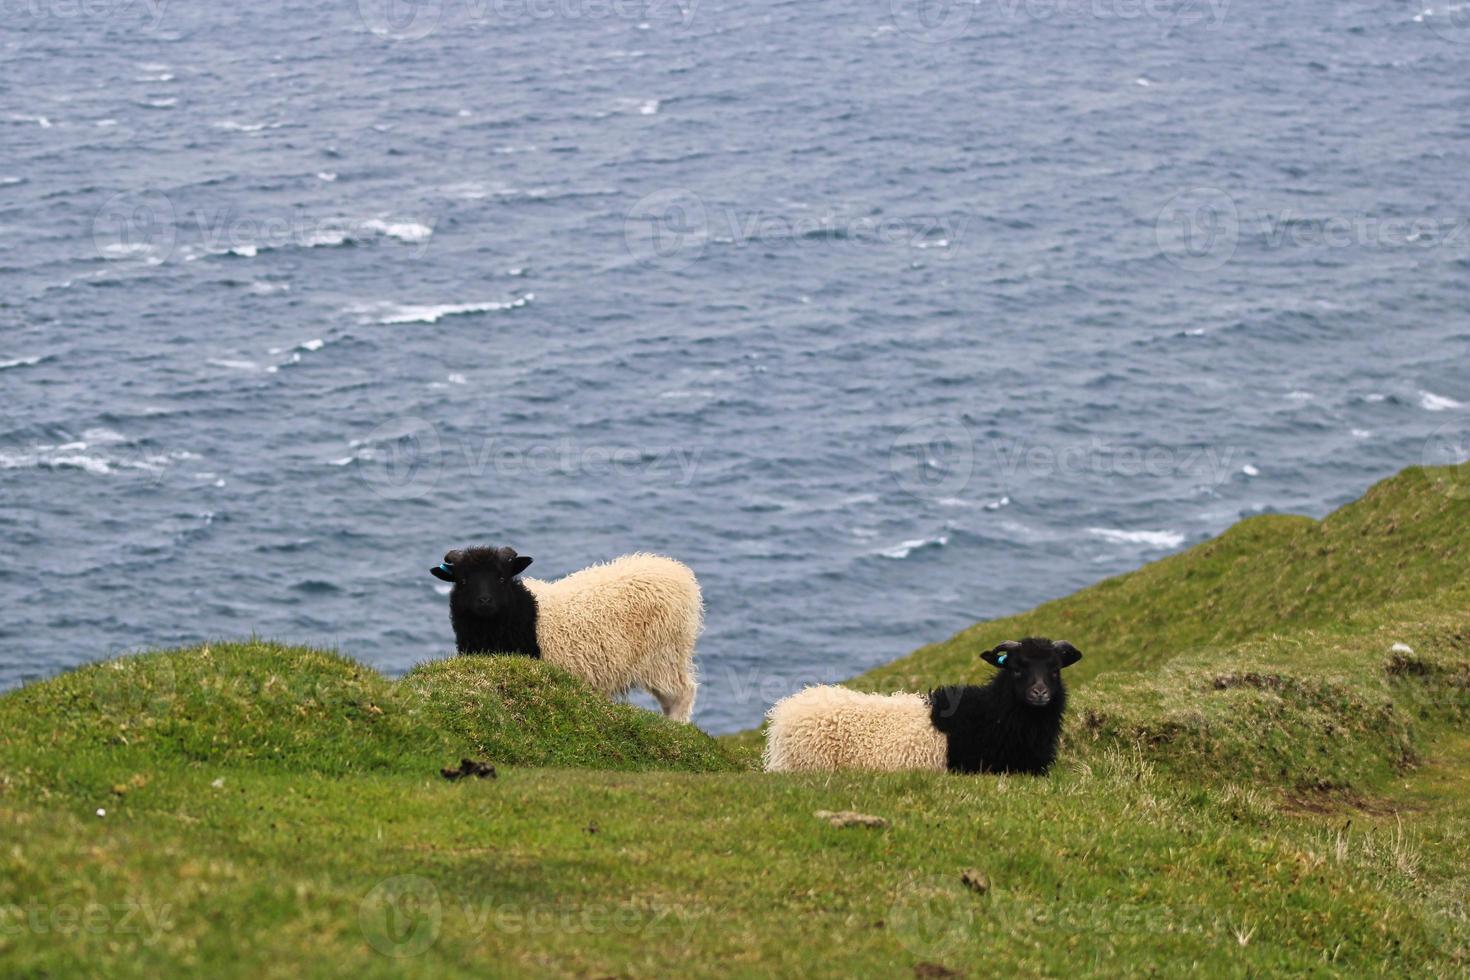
x: 484, y: 580
x: 1033, y: 667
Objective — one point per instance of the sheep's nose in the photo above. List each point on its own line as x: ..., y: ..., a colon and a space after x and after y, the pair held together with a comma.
x: 1039, y: 696
x: 486, y: 602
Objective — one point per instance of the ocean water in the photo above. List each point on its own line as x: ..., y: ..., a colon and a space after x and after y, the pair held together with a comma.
x: 884, y: 317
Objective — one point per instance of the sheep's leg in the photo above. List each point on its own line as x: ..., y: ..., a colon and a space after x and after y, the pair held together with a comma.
x: 677, y: 699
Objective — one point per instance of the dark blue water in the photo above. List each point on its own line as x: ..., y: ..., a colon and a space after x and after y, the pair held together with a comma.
x: 884, y: 318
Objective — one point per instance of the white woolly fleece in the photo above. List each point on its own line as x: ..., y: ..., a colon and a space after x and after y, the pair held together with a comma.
x: 627, y: 623
x: 825, y: 728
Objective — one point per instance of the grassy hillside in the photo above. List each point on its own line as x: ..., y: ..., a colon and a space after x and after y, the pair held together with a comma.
x: 1405, y: 539
x: 1266, y: 768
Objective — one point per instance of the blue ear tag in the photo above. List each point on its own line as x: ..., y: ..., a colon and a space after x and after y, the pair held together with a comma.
x: 1000, y: 661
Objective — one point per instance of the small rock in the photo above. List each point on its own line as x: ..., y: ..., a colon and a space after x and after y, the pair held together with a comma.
x: 469, y: 767
x: 219, y: 783
x: 1401, y: 648
x: 101, y: 812
x: 848, y: 818
x: 975, y: 880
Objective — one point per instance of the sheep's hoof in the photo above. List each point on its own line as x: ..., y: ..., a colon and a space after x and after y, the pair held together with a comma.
x: 469, y: 767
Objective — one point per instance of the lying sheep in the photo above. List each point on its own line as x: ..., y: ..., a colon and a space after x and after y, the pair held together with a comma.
x: 631, y: 622
x: 1011, y: 724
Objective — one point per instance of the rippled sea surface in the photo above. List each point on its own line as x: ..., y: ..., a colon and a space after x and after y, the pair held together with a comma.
x: 883, y: 317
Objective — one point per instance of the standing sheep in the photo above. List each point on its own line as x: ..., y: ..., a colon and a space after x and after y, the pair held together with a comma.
x: 1011, y: 724
x: 630, y: 622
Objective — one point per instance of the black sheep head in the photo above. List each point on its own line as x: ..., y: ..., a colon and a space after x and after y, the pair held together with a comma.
x: 1034, y: 667
x: 484, y: 580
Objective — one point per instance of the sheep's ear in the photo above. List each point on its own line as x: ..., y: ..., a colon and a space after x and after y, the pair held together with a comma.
x: 996, y: 656
x: 1069, y: 654
x: 445, y: 570
x: 519, y: 564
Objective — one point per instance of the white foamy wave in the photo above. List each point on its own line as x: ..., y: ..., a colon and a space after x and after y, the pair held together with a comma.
x: 905, y: 548
x: 41, y: 121
x: 1449, y: 9
x: 998, y: 504
x: 20, y: 362
x: 1362, y: 434
x: 1300, y: 397
x: 404, y: 231
x: 233, y: 126
x: 1431, y: 402
x: 1149, y: 539
x: 326, y: 175
x: 236, y: 364
x: 91, y: 454
x: 306, y: 345
x: 129, y: 250
x: 1250, y: 470
x: 1375, y: 397
x: 393, y: 313
x: 11, y: 181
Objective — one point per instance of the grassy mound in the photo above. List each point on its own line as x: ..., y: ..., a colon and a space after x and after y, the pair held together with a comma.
x: 300, y: 710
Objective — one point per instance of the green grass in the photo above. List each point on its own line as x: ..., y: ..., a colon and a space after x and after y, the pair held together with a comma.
x: 1256, y: 777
